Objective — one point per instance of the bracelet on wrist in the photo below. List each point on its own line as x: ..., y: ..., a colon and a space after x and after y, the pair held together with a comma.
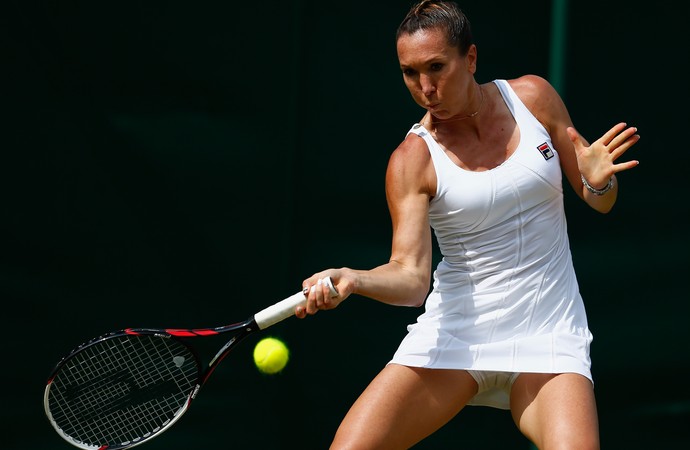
x: 594, y: 190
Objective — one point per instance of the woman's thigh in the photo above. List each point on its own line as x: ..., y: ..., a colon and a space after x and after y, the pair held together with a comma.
x: 402, y: 406
x: 556, y: 410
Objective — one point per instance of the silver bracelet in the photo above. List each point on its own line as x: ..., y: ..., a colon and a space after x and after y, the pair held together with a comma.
x: 594, y: 190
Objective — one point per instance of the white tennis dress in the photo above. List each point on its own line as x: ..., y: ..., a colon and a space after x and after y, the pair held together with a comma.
x: 505, y: 296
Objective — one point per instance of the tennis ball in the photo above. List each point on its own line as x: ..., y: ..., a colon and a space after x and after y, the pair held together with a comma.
x: 271, y: 355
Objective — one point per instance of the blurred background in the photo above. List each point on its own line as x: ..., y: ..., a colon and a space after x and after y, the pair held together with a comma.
x: 185, y: 164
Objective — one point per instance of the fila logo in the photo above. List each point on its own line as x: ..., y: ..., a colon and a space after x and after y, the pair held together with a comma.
x: 545, y: 151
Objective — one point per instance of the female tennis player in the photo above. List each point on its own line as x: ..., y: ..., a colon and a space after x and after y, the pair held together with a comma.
x: 504, y: 325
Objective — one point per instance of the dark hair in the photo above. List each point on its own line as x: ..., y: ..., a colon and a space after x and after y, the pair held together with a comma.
x: 446, y: 15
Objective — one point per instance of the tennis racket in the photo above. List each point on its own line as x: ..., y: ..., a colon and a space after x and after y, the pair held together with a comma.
x: 126, y: 387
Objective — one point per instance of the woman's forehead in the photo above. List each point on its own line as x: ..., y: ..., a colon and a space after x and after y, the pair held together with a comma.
x: 424, y: 44
x: 431, y: 35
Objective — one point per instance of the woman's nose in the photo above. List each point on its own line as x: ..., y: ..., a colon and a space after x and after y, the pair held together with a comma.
x: 427, y: 84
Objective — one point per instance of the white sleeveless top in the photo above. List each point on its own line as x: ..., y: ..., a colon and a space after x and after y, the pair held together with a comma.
x: 505, y: 296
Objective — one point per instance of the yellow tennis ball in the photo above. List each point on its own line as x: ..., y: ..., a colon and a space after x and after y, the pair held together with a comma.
x: 271, y: 355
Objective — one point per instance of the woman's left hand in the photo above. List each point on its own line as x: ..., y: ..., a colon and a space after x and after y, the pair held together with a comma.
x: 597, y: 161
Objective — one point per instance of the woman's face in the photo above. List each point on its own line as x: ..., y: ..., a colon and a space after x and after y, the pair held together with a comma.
x: 437, y: 76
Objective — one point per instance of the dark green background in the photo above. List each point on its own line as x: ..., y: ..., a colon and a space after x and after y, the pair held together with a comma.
x: 184, y: 164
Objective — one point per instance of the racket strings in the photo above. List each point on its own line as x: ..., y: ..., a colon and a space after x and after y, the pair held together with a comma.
x: 123, y: 389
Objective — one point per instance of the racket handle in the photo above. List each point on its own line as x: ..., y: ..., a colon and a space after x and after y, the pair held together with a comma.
x: 286, y: 308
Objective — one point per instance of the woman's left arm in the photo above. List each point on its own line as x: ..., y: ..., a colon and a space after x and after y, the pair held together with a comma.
x: 590, y: 168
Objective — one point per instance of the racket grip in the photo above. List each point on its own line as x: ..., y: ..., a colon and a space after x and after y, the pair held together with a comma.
x: 286, y: 308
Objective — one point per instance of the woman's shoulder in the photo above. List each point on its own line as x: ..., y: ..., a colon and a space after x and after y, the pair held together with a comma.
x: 531, y: 88
x: 412, y: 150
x: 410, y: 165
x: 538, y: 95
x: 529, y: 81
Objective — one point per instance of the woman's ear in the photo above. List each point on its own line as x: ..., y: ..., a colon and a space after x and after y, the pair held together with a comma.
x: 471, y: 58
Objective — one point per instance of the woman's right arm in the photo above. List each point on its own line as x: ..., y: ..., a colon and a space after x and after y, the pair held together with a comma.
x: 405, y: 279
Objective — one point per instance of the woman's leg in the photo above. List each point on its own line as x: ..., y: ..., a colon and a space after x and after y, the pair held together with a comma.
x: 402, y: 406
x: 556, y: 411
